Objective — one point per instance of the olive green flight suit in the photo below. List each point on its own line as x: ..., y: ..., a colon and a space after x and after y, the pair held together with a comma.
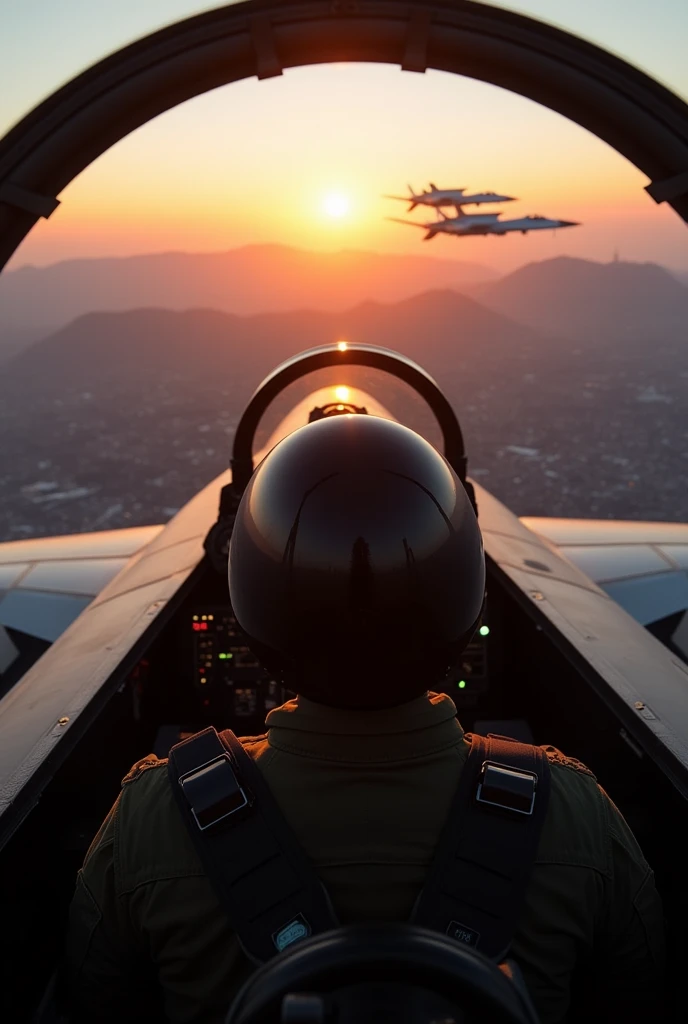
x: 367, y: 795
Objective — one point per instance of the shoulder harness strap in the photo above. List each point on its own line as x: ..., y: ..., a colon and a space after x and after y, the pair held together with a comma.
x: 476, y: 886
x: 262, y: 878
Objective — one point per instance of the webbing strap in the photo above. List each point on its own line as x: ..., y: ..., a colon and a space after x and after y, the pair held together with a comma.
x: 476, y: 886
x: 262, y: 878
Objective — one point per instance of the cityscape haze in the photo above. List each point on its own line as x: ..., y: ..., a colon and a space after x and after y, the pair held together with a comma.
x: 569, y: 378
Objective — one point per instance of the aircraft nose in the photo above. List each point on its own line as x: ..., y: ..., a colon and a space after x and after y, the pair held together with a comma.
x: 569, y: 223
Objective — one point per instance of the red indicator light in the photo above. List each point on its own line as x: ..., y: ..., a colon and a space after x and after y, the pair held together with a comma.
x: 199, y: 627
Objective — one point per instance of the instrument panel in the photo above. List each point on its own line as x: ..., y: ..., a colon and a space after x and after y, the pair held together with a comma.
x: 225, y: 670
x: 470, y: 678
x: 227, y: 674
x: 199, y: 671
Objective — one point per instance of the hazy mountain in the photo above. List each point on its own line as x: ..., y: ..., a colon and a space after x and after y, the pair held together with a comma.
x: 142, y: 348
x: 580, y: 298
x: 120, y: 418
x: 253, y: 279
x: 15, y: 339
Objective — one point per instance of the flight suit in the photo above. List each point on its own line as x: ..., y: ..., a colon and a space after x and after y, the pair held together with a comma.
x: 367, y: 794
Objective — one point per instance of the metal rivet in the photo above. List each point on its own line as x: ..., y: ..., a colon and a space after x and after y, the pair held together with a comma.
x: 639, y: 705
x: 63, y: 721
x: 537, y: 596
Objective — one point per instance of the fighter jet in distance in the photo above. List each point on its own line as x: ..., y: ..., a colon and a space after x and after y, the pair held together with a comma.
x: 456, y: 197
x: 485, y: 224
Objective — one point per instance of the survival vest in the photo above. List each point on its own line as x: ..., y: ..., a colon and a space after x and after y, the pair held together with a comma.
x: 476, y: 885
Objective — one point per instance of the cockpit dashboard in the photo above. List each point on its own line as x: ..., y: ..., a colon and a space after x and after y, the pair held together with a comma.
x: 201, y: 671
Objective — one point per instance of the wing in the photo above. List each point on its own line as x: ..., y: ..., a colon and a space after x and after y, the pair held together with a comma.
x: 413, y: 223
x: 46, y: 583
x: 642, y: 566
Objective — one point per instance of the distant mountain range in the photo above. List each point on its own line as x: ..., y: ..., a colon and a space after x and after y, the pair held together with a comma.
x: 253, y: 279
x: 140, y: 348
x: 123, y: 416
x: 118, y: 418
x: 564, y: 297
x: 576, y: 298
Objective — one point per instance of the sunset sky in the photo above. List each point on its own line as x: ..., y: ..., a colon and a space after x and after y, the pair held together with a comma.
x: 303, y: 159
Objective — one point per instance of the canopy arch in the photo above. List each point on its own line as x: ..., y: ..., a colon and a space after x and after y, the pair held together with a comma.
x: 637, y: 116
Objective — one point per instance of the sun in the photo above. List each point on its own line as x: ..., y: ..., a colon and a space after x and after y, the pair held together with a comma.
x: 336, y: 205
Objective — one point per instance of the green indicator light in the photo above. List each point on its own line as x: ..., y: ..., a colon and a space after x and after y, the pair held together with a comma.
x: 462, y: 684
x: 222, y: 657
x: 484, y: 630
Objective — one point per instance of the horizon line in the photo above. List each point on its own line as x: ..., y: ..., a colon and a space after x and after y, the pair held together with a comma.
x: 429, y: 257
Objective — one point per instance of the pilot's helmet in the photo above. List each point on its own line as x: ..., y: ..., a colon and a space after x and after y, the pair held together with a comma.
x: 356, y: 566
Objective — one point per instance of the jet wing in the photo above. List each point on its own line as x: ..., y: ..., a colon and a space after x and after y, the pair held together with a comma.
x: 643, y: 566
x: 47, y: 582
x: 414, y: 223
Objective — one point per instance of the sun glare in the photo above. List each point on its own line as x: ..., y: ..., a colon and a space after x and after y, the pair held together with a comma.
x: 342, y: 394
x: 336, y: 205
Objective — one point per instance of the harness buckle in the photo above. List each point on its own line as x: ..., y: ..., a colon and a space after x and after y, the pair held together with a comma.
x: 212, y: 792
x: 509, y: 789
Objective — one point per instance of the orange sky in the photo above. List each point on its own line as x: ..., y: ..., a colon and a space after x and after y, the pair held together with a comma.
x: 253, y: 162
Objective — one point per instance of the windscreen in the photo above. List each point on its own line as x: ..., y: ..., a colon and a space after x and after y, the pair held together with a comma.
x: 56, y: 41
x: 261, y: 219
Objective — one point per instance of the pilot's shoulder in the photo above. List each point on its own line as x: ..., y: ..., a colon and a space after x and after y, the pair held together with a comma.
x: 146, y: 766
x: 143, y: 765
x: 256, y: 746
x: 556, y: 757
x: 150, y: 828
x: 151, y: 838
x: 146, y: 796
x: 576, y: 826
x: 574, y: 788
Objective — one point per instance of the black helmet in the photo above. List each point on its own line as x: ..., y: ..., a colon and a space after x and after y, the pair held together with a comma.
x: 356, y: 564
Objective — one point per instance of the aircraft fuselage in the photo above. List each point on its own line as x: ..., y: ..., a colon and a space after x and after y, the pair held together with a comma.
x: 490, y: 224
